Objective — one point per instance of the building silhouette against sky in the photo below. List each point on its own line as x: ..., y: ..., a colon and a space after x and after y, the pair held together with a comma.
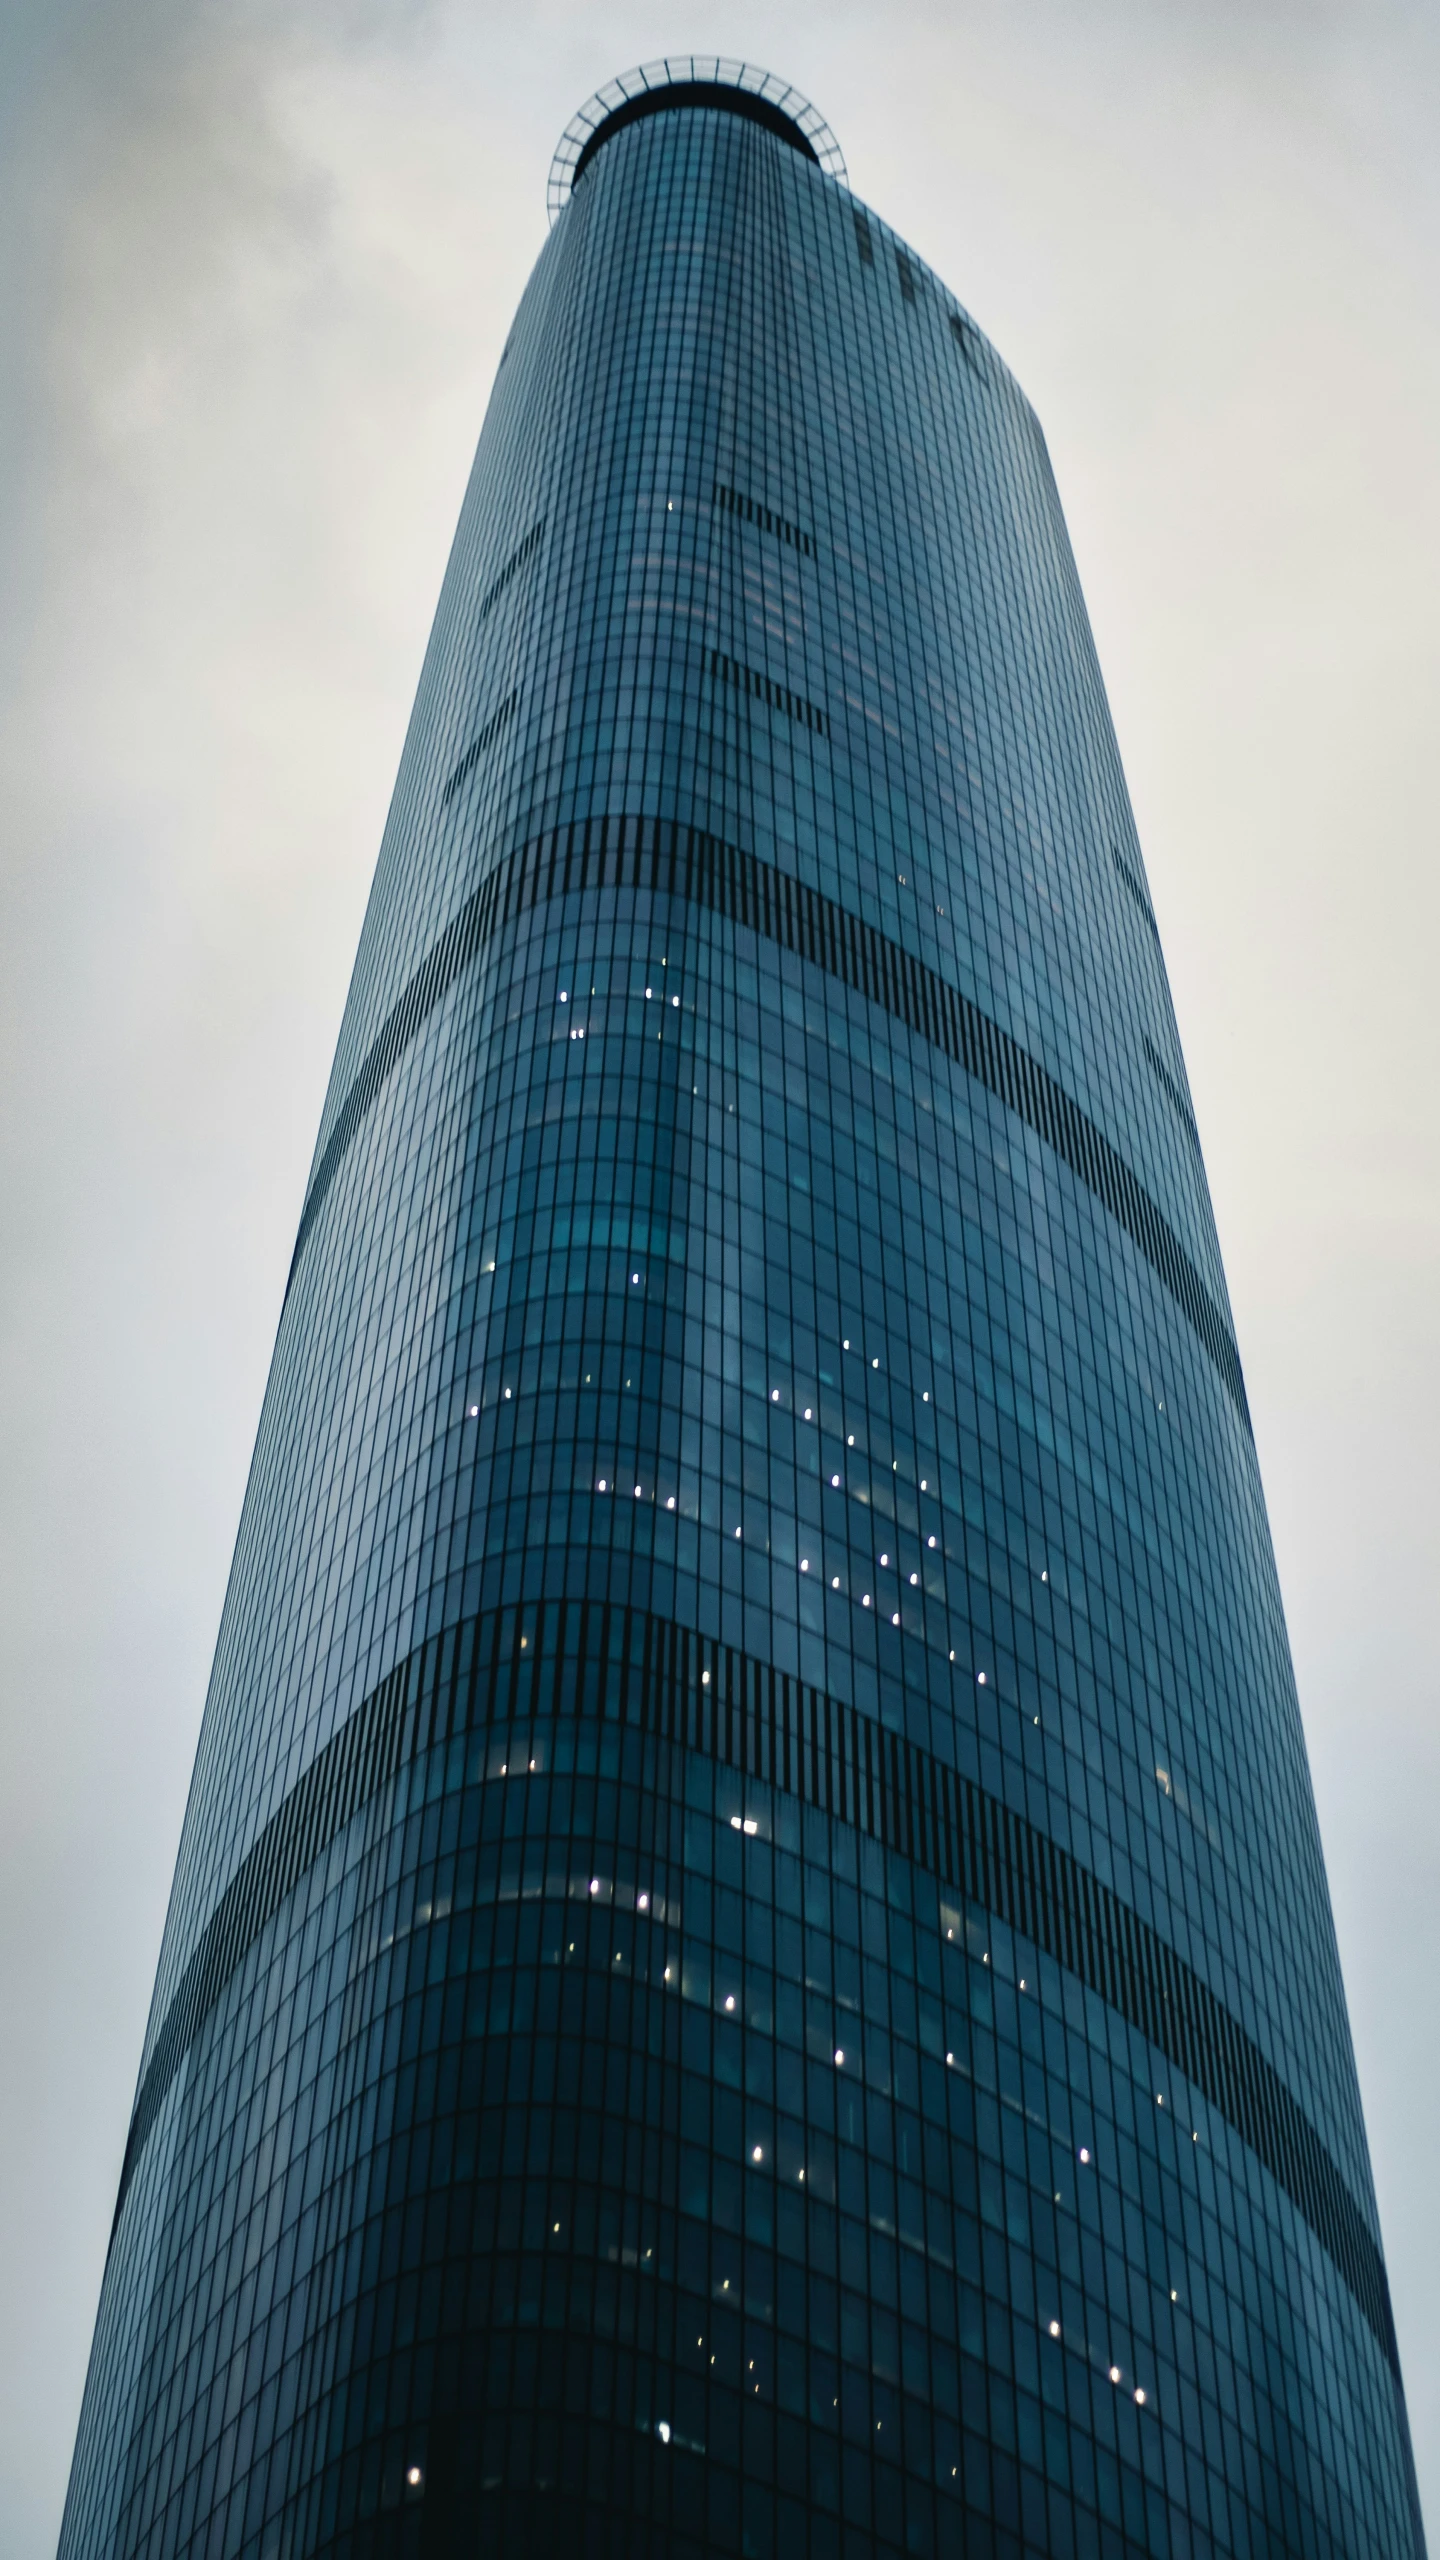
x: 750, y: 1968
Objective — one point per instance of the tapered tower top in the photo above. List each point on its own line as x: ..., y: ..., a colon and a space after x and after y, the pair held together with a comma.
x: 691, y: 80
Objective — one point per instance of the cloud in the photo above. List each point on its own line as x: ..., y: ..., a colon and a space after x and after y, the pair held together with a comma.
x: 256, y: 266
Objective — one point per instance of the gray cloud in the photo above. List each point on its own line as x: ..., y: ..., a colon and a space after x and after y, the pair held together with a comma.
x: 256, y: 265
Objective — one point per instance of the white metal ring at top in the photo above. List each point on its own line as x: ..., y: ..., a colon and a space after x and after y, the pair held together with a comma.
x: 710, y: 71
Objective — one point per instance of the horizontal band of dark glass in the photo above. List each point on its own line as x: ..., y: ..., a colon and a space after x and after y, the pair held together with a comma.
x: 630, y: 1667
x: 660, y: 854
x: 734, y: 502
x: 499, y: 718
x: 509, y: 569
x: 1173, y: 1095
x: 758, y: 687
x: 1132, y: 883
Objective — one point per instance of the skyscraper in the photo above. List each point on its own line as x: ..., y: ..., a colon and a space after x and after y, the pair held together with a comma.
x: 750, y: 1968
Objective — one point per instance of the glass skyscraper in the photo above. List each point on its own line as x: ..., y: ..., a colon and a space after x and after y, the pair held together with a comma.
x: 750, y: 1968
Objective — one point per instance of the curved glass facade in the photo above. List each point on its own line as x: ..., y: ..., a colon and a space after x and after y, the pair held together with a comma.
x: 750, y: 1967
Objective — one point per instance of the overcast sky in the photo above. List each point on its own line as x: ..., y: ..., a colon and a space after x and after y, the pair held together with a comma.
x: 257, y: 261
